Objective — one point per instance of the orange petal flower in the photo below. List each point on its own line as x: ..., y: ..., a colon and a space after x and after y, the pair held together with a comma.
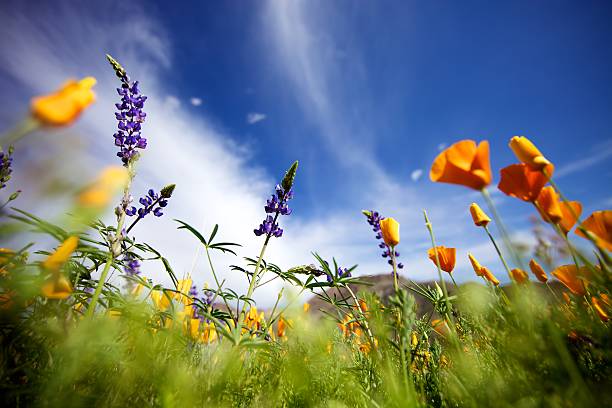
x: 64, y: 106
x: 538, y: 271
x: 518, y: 180
x: 548, y: 205
x: 56, y: 287
x: 572, y: 278
x: 463, y: 163
x: 527, y: 153
x: 481, y: 219
x: 599, y: 224
x: 489, y: 276
x: 446, y: 256
x: 390, y: 231
x: 601, y: 312
x: 476, y: 265
x: 519, y: 275
x: 61, y: 255
x: 441, y: 327
x: 101, y: 192
x: 568, y: 219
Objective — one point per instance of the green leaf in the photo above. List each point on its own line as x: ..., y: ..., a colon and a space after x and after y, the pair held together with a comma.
x: 194, y: 231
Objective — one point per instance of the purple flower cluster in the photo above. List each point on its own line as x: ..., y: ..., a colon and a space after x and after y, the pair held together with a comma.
x: 374, y: 219
x: 342, y: 273
x: 207, y: 300
x: 275, y: 206
x: 131, y: 265
x: 130, y: 117
x: 152, y: 202
x: 6, y: 160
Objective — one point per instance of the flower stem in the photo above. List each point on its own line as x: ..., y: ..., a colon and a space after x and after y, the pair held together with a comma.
x: 501, y: 228
x: 255, y: 275
x: 26, y: 126
x: 442, y: 283
x: 394, y: 263
x: 212, y: 268
x: 499, y: 252
x: 366, y: 326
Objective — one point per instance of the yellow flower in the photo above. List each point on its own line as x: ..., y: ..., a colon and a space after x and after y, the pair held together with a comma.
x: 527, y: 153
x: 446, y: 256
x: 476, y: 265
x: 56, y: 287
x: 390, y: 231
x: 463, y: 163
x: 209, y: 333
x: 160, y: 300
x: 573, y: 278
x: 481, y: 219
x: 64, y: 106
x: 194, y: 327
x: 100, y: 193
x: 548, y: 205
x: 519, y: 276
x: 62, y: 254
x: 441, y: 327
x: 601, y: 312
x: 183, y: 287
x: 281, y: 327
x: 522, y: 182
x: 538, y: 271
x: 600, y: 225
x: 306, y: 307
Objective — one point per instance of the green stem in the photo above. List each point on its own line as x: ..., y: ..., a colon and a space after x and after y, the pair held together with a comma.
x: 499, y: 253
x: 212, y: 268
x: 26, y: 126
x: 255, y: 276
x: 501, y: 228
x: 394, y: 263
x: 363, y: 319
x: 444, y: 291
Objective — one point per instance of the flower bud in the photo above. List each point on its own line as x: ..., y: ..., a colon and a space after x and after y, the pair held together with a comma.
x: 527, y: 153
x: 480, y: 218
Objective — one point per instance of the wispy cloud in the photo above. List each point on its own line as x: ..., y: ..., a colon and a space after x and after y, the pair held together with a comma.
x: 416, y: 174
x: 195, y: 101
x: 255, y: 117
x: 598, y: 155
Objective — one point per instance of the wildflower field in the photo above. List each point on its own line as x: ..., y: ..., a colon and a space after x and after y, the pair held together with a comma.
x: 82, y: 323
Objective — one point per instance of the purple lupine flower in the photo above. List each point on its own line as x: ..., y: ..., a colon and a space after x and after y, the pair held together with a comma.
x: 131, y: 265
x: 374, y: 219
x: 276, y: 206
x: 130, y: 117
x: 6, y: 160
x: 151, y: 203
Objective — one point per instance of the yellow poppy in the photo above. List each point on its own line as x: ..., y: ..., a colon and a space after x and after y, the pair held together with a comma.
x: 390, y: 231
x: 183, y: 286
x: 518, y: 180
x: 527, y: 153
x: 481, y: 219
x: 306, y: 307
x: 476, y: 265
x: 538, y: 271
x: 601, y: 312
x: 573, y: 278
x: 56, y: 287
x: 100, y: 193
x: 64, y: 106
x: 446, y: 256
x: 463, y: 163
x: 600, y: 225
x: 160, y: 300
x: 519, y: 275
x: 548, y: 205
x: 62, y: 254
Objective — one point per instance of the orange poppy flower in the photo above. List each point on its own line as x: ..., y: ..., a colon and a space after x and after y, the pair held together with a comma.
x: 548, y: 205
x: 441, y: 327
x: 476, y: 265
x: 64, y: 106
x: 62, y: 254
x: 574, y: 279
x: 599, y: 224
x: 538, y: 271
x: 56, y: 287
x: 489, y: 276
x: 463, y: 163
x: 446, y: 256
x: 527, y: 153
x: 519, y: 275
x: 518, y: 180
x: 481, y: 219
x: 569, y: 215
x: 601, y: 312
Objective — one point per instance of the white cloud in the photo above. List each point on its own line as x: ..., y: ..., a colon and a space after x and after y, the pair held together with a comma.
x: 600, y: 154
x: 172, y: 102
x: 416, y: 174
x: 195, y: 101
x: 255, y: 117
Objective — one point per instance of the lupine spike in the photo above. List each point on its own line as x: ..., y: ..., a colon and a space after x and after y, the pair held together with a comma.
x: 287, y: 182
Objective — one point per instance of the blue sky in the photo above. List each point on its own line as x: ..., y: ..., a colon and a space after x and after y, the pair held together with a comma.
x: 363, y: 94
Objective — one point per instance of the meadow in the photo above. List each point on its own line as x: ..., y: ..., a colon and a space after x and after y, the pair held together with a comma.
x: 73, y: 337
